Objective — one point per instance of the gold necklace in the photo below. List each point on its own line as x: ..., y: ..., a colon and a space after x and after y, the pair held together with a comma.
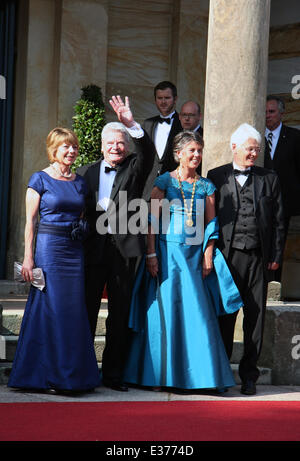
x: 189, y: 212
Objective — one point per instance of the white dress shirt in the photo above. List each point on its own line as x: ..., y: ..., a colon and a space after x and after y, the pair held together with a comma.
x: 161, y: 134
x: 276, y: 134
x: 241, y: 178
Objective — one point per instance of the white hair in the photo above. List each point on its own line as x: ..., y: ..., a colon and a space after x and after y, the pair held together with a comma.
x: 243, y: 133
x: 115, y: 126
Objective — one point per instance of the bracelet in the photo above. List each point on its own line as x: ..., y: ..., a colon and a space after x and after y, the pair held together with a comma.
x: 151, y: 255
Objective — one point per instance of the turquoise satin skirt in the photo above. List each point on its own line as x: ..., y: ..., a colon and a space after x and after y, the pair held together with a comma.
x: 176, y: 337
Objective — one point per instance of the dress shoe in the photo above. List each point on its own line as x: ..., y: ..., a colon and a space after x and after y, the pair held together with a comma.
x: 248, y: 388
x: 69, y: 392
x: 121, y: 387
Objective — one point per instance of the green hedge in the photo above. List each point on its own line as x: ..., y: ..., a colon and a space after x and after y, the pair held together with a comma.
x: 88, y: 121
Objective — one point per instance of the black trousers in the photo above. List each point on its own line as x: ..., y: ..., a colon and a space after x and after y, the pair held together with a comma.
x: 276, y: 275
x: 246, y: 267
x: 118, y: 274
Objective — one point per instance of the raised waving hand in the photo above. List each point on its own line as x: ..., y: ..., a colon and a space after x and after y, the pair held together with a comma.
x: 122, y: 110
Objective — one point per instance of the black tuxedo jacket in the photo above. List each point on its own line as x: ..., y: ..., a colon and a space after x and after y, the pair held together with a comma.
x: 167, y: 162
x: 267, y: 206
x: 286, y: 163
x: 131, y: 176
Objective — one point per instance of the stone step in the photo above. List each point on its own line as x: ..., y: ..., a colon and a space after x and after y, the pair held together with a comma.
x: 5, y: 369
x: 9, y: 287
x: 9, y: 348
x: 264, y: 378
x: 11, y: 319
x: 8, y: 345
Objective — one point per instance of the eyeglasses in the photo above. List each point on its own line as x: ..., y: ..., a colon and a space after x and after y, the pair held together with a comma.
x: 188, y: 115
x: 253, y: 149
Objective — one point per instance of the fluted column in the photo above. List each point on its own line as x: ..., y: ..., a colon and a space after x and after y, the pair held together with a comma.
x: 236, y: 74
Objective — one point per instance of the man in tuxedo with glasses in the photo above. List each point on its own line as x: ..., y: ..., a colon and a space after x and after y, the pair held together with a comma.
x: 250, y: 214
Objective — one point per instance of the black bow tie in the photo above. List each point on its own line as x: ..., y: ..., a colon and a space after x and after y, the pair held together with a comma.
x: 109, y: 168
x: 166, y: 120
x: 244, y: 172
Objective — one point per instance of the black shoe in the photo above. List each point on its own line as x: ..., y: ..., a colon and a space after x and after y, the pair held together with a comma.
x: 69, y: 392
x: 121, y: 387
x: 248, y: 387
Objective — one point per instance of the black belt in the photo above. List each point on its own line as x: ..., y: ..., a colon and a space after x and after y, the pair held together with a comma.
x: 53, y: 229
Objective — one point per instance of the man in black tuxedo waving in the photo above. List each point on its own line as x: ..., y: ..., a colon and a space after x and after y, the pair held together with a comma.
x: 162, y: 130
x: 249, y: 209
x: 112, y: 247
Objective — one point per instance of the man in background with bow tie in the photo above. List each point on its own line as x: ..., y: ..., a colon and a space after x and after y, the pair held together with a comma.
x: 111, y: 250
x: 282, y: 154
x: 162, y: 129
x: 250, y: 214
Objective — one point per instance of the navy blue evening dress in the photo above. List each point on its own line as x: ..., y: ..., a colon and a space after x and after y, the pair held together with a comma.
x: 55, y: 348
x: 174, y: 317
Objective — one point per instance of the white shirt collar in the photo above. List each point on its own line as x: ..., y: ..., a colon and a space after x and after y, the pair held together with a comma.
x: 237, y: 167
x: 168, y: 116
x: 275, y: 132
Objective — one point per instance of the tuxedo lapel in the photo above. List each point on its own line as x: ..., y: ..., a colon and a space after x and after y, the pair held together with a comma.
x: 93, y: 179
x: 119, y: 178
x: 153, y: 127
x: 258, y: 185
x: 175, y: 128
x: 280, y: 144
x: 231, y: 186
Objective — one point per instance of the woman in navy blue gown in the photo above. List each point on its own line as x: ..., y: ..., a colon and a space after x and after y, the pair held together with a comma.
x: 179, y: 285
x: 55, y: 348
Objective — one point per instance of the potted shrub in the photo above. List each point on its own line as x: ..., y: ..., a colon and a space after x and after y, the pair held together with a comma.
x: 88, y: 122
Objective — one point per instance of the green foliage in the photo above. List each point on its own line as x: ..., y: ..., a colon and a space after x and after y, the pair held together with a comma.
x: 88, y: 123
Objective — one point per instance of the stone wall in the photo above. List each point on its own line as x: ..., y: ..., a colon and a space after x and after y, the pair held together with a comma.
x: 281, y: 346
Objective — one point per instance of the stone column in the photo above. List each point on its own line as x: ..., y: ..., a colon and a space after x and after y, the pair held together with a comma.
x: 236, y: 74
x: 62, y: 46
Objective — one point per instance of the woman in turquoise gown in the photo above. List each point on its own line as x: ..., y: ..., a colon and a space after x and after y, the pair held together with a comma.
x: 182, y: 284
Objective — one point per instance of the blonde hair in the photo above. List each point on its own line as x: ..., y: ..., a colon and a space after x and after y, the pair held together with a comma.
x: 58, y: 136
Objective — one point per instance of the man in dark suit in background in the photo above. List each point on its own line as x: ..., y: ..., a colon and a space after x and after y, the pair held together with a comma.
x: 249, y: 210
x: 112, y: 247
x: 190, y: 117
x: 282, y: 154
x: 162, y: 129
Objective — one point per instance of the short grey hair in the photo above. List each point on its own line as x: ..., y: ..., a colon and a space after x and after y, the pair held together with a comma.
x: 243, y: 133
x: 183, y: 138
x: 115, y: 126
x: 280, y: 102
